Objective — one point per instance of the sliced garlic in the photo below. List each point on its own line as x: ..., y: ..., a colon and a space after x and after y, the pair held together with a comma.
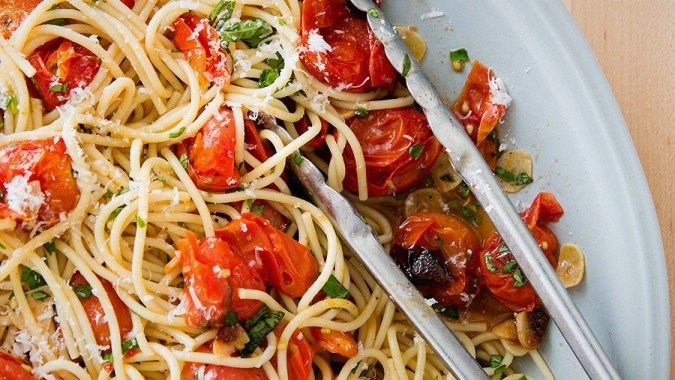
x: 571, y: 265
x: 506, y: 330
x: 531, y: 327
x: 413, y: 40
x: 517, y: 162
x: 444, y: 174
x: 424, y: 200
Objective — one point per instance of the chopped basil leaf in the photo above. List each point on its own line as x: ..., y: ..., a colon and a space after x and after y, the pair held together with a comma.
x: 39, y: 295
x: 447, y: 177
x: 59, y: 87
x: 503, y: 248
x: 222, y: 12
x: 140, y: 222
x: 107, y: 357
x: 267, y: 77
x: 510, y: 266
x: 276, y: 63
x: 448, y: 312
x: 249, y: 203
x: 231, y: 318
x: 8, y: 102
x: 406, y: 66
x: 83, y: 291
x: 258, y: 326
x: 499, y: 369
x: 115, y: 212
x: 297, y: 158
x: 123, y: 190
x: 184, y: 161
x: 464, y: 190
x: 50, y: 247
x: 496, y: 361
x: 252, y: 32
x: 57, y: 21
x: 469, y: 214
x: 523, y: 179
x: 504, y: 174
x: 258, y: 209
x: 522, y: 377
x: 416, y: 150
x: 179, y: 132
x: 519, y: 279
x: 32, y: 278
x: 488, y: 263
x: 334, y: 288
x: 374, y: 12
x: 361, y: 113
x: 459, y: 55
x: 129, y: 344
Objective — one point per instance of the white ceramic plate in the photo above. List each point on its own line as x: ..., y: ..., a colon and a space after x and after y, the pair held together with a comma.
x: 565, y: 115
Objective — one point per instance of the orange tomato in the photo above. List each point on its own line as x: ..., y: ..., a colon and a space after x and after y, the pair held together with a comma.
x: 335, y: 342
x: 12, y: 14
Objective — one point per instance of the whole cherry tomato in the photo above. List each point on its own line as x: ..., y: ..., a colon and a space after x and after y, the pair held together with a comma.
x: 61, y: 65
x: 95, y: 314
x: 201, y: 46
x: 436, y: 252
x: 198, y: 371
x: 12, y: 368
x: 210, y: 153
x: 398, y: 147
x: 500, y: 272
x: 41, y: 165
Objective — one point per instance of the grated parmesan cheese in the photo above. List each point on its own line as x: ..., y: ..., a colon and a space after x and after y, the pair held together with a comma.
x: 431, y: 15
x: 498, y: 93
x: 24, y: 196
x: 316, y: 43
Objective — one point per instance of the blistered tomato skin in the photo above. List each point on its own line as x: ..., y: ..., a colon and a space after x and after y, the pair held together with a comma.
x: 12, y: 368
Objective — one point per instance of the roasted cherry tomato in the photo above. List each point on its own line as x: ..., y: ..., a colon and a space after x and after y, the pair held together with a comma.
x: 210, y: 153
x: 398, y: 147
x: 199, y: 371
x: 435, y: 251
x: 335, y: 342
x: 37, y: 182
x: 484, y: 111
x: 201, y: 46
x: 12, y: 368
x: 61, y: 66
x: 129, y: 3
x: 500, y: 272
x: 92, y: 306
x: 213, y: 274
x: 12, y: 14
x: 299, y: 354
x: 285, y: 264
x: 353, y: 60
x: 302, y: 125
x: 253, y: 143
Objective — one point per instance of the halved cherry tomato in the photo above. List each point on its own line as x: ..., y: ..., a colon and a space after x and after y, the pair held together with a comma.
x: 201, y: 46
x: 355, y: 61
x: 210, y: 153
x: 299, y: 354
x: 12, y: 14
x: 302, y: 125
x: 499, y: 271
x: 48, y: 166
x: 129, y: 3
x: 398, y: 147
x: 335, y: 342
x: 61, y: 66
x: 435, y: 251
x: 253, y: 143
x: 213, y: 273
x: 285, y: 264
x: 199, y: 371
x: 483, y: 114
x: 12, y: 368
x: 96, y: 315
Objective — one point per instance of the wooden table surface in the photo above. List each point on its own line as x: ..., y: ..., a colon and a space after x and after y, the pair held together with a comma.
x: 633, y: 41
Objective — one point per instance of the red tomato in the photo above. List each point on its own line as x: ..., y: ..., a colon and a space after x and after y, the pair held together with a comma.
x: 203, y: 50
x: 213, y: 273
x: 12, y: 14
x: 67, y: 64
x: 435, y: 251
x: 12, y: 368
x: 95, y: 314
x: 210, y: 153
x: 198, y: 371
x: 513, y: 290
x: 285, y: 264
x: 302, y: 125
x: 335, y: 342
x: 46, y: 163
x: 398, y: 147
x: 300, y: 356
x: 129, y: 3
x: 253, y: 143
x: 355, y: 61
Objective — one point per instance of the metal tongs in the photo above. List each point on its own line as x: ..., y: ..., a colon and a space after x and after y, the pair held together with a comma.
x: 469, y: 163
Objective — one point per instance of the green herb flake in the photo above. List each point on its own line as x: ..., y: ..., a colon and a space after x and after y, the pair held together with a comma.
x: 222, y: 12
x: 50, y: 247
x: 258, y: 326
x: 83, y: 291
x: 39, y: 295
x: 32, y: 278
x: 361, y: 113
x: 447, y: 177
x: 258, y: 209
x: 510, y: 266
x: 57, y: 22
x: 2, y: 246
x: 107, y: 357
x: 499, y: 369
x: 416, y: 150
x: 459, y: 55
x: 231, y: 318
x: 140, y: 222
x: 59, y: 87
x: 129, y: 344
x: 252, y: 32
x: 8, y: 102
x: 503, y: 248
x: 184, y: 161
x: 448, y: 312
x: 519, y: 279
x: 504, y: 174
x: 179, y: 132
x: 276, y: 63
x: 523, y: 179
x: 297, y: 158
x: 488, y: 263
x: 334, y: 288
x: 524, y: 377
x: 374, y: 12
x: 469, y: 214
x: 249, y: 203
x: 464, y: 190
x: 267, y: 77
x: 115, y: 213
x: 406, y: 66
x: 496, y: 361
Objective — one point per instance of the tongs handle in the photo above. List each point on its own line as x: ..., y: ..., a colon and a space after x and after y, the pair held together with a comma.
x: 361, y: 240
x: 471, y: 166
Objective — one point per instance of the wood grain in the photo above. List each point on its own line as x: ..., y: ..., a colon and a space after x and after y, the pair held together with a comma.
x: 633, y: 41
